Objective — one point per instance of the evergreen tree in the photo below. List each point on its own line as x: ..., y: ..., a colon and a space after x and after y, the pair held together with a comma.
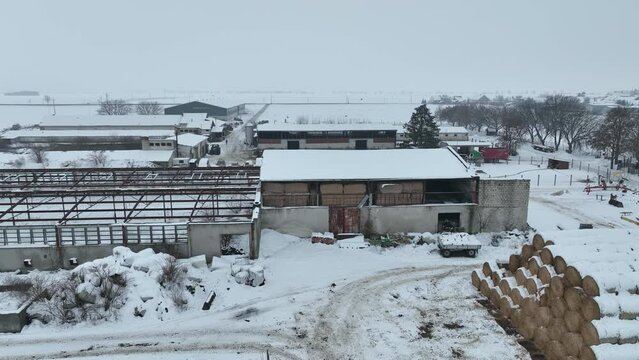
x: 422, y: 130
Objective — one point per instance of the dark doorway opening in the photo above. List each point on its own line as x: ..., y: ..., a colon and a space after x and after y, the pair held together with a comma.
x: 448, y: 222
x: 293, y: 144
x: 361, y: 145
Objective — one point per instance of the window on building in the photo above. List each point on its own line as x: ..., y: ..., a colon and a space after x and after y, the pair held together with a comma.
x: 151, y: 144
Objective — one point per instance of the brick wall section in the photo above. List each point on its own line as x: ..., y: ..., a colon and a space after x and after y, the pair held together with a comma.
x: 503, y: 204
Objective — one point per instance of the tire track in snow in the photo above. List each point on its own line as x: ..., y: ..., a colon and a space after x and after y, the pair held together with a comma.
x: 335, y: 335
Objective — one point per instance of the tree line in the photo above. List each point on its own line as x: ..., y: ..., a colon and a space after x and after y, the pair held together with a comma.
x: 121, y: 107
x: 553, y: 121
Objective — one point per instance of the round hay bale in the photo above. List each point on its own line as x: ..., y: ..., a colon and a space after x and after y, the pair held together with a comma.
x: 590, y: 286
x: 487, y: 269
x: 521, y: 275
x: 543, y: 316
x: 527, y: 327
x: 527, y: 252
x: 574, y: 296
x: 507, y: 284
x: 545, y: 274
x: 573, y: 276
x: 538, y: 242
x: 534, y: 263
x: 560, y: 264
x: 497, y: 275
x: 572, y: 343
x: 506, y: 306
x: 518, y: 294
x: 546, y: 256
x: 529, y: 306
x: 558, y: 307
x: 556, y: 349
x: 589, y: 334
x: 544, y: 298
x: 586, y: 353
x: 475, y: 278
x: 541, y: 337
x: 557, y: 286
x: 557, y: 328
x: 573, y: 320
x: 590, y: 309
x: 534, y: 285
x: 484, y: 286
x: 514, y: 262
x: 515, y: 317
x: 495, y: 295
x: 549, y: 242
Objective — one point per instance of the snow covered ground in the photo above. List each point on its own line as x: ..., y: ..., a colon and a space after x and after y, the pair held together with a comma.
x: 319, y: 301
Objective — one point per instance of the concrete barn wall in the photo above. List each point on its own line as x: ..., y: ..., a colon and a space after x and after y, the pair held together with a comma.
x: 298, y: 221
x: 50, y: 258
x: 413, y: 218
x: 503, y: 204
x: 206, y: 238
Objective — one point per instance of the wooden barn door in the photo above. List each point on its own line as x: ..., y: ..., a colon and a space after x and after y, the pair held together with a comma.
x: 343, y: 219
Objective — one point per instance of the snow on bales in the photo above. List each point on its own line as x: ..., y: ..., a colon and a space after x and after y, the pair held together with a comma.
x: 247, y: 273
x: 611, y: 352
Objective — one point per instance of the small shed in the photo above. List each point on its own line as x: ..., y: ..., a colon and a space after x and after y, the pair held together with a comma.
x: 558, y: 164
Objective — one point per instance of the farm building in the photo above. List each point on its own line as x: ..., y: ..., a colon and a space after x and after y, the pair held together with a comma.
x: 453, y: 133
x: 105, y: 132
x: 385, y: 191
x: 325, y: 136
x: 204, y: 108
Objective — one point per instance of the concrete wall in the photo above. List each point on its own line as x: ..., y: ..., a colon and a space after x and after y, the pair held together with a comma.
x: 14, y: 321
x: 298, y: 221
x: 49, y: 257
x: 503, y: 204
x: 370, y: 144
x: 206, y: 238
x: 413, y: 218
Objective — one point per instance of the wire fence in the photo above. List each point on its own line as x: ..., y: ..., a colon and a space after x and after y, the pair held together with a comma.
x: 555, y: 177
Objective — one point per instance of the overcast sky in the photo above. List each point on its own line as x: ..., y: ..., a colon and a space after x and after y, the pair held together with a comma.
x: 319, y: 45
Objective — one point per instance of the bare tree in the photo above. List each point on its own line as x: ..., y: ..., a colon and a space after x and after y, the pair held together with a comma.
x: 38, y: 154
x: 615, y: 133
x: 578, y: 128
x: 531, y: 112
x: 98, y: 159
x: 149, y: 108
x: 514, y: 128
x: 114, y: 107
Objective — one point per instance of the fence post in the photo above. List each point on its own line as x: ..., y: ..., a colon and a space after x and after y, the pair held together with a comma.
x: 538, y: 176
x: 572, y: 163
x: 555, y: 182
x: 570, y: 179
x: 531, y: 160
x: 608, y: 175
x: 579, y: 164
x: 597, y: 170
x: 588, y: 167
x: 518, y: 160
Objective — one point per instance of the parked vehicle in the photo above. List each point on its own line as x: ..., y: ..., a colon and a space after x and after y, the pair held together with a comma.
x: 460, y: 243
x: 494, y: 154
x: 544, y: 148
x: 214, y: 150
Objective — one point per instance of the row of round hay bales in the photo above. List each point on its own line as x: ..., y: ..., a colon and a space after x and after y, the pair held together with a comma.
x: 574, y: 300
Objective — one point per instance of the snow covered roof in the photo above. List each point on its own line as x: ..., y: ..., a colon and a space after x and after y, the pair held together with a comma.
x: 190, y: 139
x: 196, y: 120
x: 109, y: 120
x: 466, y: 143
x: 87, y: 133
x: 453, y: 130
x: 326, y: 127
x: 335, y: 165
